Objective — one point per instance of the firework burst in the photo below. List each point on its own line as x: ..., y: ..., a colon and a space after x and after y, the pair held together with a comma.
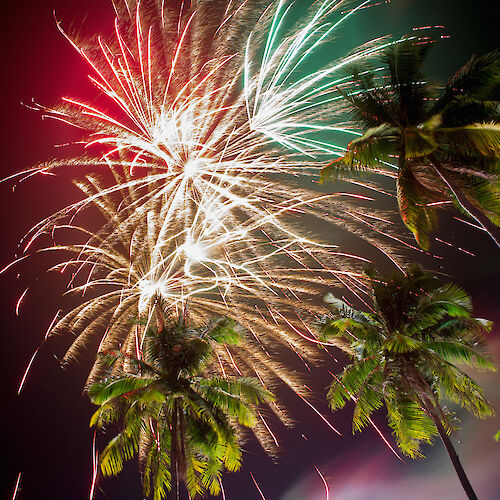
x: 199, y: 154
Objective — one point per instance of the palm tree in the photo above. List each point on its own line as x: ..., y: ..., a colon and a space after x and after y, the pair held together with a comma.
x: 180, y: 419
x: 404, y: 356
x: 447, y: 145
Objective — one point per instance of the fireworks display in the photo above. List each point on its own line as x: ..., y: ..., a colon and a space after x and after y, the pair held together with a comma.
x: 197, y: 165
x: 210, y: 117
x: 208, y: 127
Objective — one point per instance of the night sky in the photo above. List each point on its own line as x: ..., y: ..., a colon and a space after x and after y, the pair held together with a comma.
x: 45, y: 431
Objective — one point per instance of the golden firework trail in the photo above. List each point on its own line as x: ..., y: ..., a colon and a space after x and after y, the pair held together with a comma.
x: 206, y: 120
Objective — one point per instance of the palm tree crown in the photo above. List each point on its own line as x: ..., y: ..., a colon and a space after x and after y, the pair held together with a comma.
x: 405, y: 353
x: 447, y: 144
x: 181, y: 419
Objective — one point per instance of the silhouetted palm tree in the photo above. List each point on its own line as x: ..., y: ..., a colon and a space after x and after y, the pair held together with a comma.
x: 179, y: 418
x: 447, y: 145
x: 404, y: 355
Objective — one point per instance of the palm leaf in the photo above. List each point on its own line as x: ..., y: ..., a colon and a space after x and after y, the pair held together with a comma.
x: 456, y: 351
x: 350, y: 383
x: 479, y: 138
x: 102, y: 392
x: 375, y: 146
x: 224, y: 331
x: 368, y: 399
x: 399, y: 343
x: 120, y: 449
x: 478, y: 79
x: 404, y: 61
x: 369, y: 102
x: 482, y: 193
x: 464, y: 110
x: 463, y: 390
x: 418, y: 142
x: 339, y: 169
x: 417, y: 215
x: 410, y: 424
x: 448, y: 299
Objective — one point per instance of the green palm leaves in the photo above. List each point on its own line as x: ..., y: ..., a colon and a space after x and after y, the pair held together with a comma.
x: 447, y: 145
x: 405, y: 354
x: 182, y: 421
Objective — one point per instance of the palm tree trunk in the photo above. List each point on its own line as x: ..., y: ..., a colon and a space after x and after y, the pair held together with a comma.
x: 464, y: 202
x: 182, y: 445
x: 452, y: 453
x: 422, y: 391
x: 174, y: 454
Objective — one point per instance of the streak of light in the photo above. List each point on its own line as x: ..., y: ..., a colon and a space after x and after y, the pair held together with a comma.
x: 454, y: 246
x: 18, y: 304
x: 13, y: 263
x: 95, y: 464
x: 16, y: 488
x: 268, y: 429
x: 321, y: 416
x: 47, y: 333
x: 327, y: 490
x: 257, y: 486
x: 222, y: 489
x: 23, y: 380
x: 384, y: 439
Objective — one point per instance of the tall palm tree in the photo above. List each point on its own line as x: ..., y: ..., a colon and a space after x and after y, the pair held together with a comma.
x: 405, y: 353
x: 447, y: 144
x: 180, y: 419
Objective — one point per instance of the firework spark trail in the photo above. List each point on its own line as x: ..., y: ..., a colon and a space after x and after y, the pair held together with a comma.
x: 283, y: 110
x: 95, y: 466
x: 258, y: 487
x: 16, y: 488
x: 20, y: 300
x: 327, y: 489
x: 321, y: 416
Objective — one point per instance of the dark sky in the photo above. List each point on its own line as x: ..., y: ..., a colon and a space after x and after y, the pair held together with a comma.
x: 46, y: 431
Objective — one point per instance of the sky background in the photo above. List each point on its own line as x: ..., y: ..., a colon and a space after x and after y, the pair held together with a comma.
x: 45, y: 431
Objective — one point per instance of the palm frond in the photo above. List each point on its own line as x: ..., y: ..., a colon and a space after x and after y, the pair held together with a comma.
x: 456, y: 351
x: 338, y: 170
x: 463, y: 390
x: 102, y: 392
x: 370, y: 103
x: 478, y: 78
x: 479, y: 138
x: 404, y: 61
x: 375, y: 146
x: 464, y: 110
x: 449, y: 299
x: 120, y: 449
x: 418, y: 142
x: 399, y: 343
x: 482, y: 193
x: 368, y: 399
x: 351, y: 381
x: 410, y: 424
x: 419, y: 217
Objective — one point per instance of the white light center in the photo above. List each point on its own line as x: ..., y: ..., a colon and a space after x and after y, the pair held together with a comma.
x: 195, y: 252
